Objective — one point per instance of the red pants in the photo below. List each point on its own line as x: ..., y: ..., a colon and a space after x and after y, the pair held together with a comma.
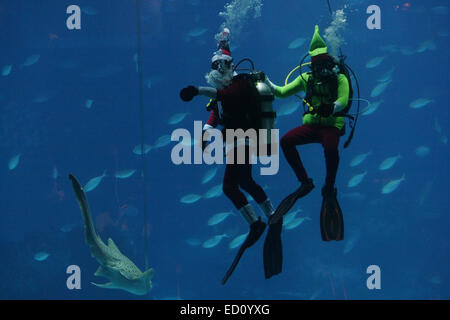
x: 327, y: 136
x: 239, y: 176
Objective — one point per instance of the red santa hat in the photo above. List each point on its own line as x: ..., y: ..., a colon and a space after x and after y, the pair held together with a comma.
x: 222, y: 54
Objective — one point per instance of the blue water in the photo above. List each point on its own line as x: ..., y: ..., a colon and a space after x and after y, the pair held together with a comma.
x: 44, y: 118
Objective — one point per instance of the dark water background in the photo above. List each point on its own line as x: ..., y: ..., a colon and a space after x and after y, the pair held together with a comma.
x: 44, y: 118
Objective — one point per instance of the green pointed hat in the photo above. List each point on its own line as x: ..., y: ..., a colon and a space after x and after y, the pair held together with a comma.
x: 317, y: 45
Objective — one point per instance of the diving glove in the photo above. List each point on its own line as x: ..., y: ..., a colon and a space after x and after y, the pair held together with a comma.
x: 188, y: 93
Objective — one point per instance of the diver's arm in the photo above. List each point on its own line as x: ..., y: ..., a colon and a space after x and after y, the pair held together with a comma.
x: 343, y: 93
x: 288, y: 90
x: 207, y: 92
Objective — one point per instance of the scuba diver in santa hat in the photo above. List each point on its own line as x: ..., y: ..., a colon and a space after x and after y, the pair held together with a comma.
x: 235, y: 103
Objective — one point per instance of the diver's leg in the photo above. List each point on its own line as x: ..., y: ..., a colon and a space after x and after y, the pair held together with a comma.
x: 331, y: 218
x: 298, y: 136
x: 330, y: 141
x: 230, y: 188
x: 248, y: 184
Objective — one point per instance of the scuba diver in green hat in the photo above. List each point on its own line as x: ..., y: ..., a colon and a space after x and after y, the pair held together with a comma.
x: 328, y: 89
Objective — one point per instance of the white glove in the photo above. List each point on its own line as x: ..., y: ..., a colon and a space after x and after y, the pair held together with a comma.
x: 337, y: 106
x: 269, y: 84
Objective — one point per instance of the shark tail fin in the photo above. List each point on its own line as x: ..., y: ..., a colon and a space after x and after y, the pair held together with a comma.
x: 149, y: 273
x: 108, y: 285
x: 100, y: 272
x: 91, y: 235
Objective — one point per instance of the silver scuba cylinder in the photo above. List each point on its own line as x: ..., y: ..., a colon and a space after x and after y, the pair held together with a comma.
x: 267, y: 113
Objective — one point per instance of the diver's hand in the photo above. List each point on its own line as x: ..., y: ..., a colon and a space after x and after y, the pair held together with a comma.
x: 325, y: 110
x: 269, y: 84
x: 188, y: 93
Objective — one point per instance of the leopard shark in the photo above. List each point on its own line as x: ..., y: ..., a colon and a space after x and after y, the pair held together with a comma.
x: 114, y: 265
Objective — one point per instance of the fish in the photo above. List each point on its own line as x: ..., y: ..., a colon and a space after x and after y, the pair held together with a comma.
x: 188, y: 142
x: 123, y: 174
x: 420, y: 103
x: 152, y: 81
x: 372, y: 108
x: 387, y: 76
x: 444, y: 139
x: 290, y: 216
x: 31, y: 60
x: 177, y: 117
x: 379, y: 89
x: 162, y: 141
x: 392, y: 185
x: 426, y: 45
x: 6, y: 70
x: 14, y: 162
x: 236, y: 242
x: 389, y: 162
x: 424, y: 192
x: 88, y: 103
x: 197, y: 32
x: 209, y: 175
x: 295, y: 223
x: 372, y: 63
x: 193, y: 242
x: 138, y: 150
x: 436, y: 280
x: 55, y: 173
x: 214, y: 192
x: 422, y: 151
x: 190, y: 198
x: 296, y: 43
x: 67, y: 227
x: 41, y: 256
x: 407, y: 51
x: 350, y: 243
x: 356, y: 179
x: 354, y: 196
x: 391, y: 48
x: 359, y: 159
x: 121, y: 272
x: 94, y: 182
x: 214, y: 241
x: 436, y: 126
x: 287, y: 108
x: 41, y: 98
x: 218, y: 218
x: 440, y: 10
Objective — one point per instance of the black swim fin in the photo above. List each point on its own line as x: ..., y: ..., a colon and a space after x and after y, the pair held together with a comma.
x: 256, y: 231
x: 290, y: 200
x: 331, y: 219
x: 273, y: 249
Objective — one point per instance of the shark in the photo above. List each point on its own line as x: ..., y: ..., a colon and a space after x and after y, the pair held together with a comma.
x: 114, y: 265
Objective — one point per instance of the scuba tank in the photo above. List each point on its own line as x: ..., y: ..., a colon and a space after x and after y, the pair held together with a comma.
x: 267, y: 115
x: 262, y: 116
